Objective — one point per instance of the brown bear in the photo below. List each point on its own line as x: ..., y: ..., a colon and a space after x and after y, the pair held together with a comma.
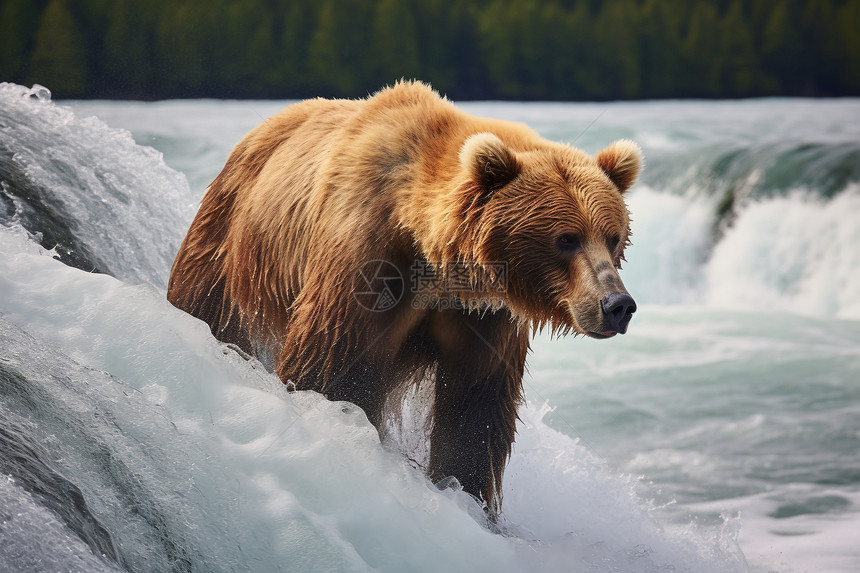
x: 361, y: 244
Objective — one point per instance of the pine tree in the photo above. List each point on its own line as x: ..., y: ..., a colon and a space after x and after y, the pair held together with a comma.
x: 437, y: 35
x: 782, y: 50
x: 659, y: 45
x: 395, y: 41
x: 126, y: 55
x: 847, y: 24
x: 580, y: 38
x: 500, y: 50
x: 700, y: 53
x: 19, y: 20
x: 180, y: 46
x: 248, y: 47
x: 293, y: 49
x: 59, y: 55
x: 338, y: 54
x: 736, y: 47
x: 820, y: 32
x: 616, y: 25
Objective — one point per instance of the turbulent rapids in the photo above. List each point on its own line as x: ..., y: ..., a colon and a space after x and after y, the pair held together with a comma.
x: 131, y: 440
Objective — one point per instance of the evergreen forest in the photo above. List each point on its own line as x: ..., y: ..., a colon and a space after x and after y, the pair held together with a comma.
x: 468, y: 49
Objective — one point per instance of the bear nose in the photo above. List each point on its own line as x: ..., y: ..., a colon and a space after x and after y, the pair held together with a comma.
x: 618, y: 308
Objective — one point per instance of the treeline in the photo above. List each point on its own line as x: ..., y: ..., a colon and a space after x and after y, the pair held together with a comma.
x: 520, y: 49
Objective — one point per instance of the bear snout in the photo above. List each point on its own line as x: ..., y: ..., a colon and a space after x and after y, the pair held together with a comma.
x: 618, y: 309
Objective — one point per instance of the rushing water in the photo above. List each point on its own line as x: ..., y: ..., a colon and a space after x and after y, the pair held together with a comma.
x: 721, y: 434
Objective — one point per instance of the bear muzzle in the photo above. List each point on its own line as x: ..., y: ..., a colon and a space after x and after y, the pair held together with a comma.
x: 617, y: 310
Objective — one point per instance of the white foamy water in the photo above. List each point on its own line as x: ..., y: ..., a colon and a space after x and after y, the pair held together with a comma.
x: 119, y: 198
x: 721, y: 434
x: 797, y: 252
x: 241, y: 474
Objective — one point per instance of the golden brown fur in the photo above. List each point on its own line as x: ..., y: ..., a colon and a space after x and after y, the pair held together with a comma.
x: 317, y: 191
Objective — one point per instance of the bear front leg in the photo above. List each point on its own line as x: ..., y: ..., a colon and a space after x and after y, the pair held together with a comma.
x: 339, y: 376
x: 478, y: 391
x: 323, y: 352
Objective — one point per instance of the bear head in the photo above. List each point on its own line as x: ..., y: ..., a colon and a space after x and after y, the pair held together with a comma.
x: 555, y: 219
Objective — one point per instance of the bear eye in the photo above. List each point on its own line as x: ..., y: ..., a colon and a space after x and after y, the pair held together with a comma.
x: 612, y: 243
x: 567, y: 242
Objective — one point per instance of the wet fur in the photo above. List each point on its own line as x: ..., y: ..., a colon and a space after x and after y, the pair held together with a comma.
x: 323, y: 187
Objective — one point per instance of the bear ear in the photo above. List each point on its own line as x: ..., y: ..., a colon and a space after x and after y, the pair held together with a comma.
x: 622, y: 162
x: 489, y: 161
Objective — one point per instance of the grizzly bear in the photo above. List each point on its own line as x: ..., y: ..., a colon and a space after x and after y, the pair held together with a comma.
x: 362, y: 244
